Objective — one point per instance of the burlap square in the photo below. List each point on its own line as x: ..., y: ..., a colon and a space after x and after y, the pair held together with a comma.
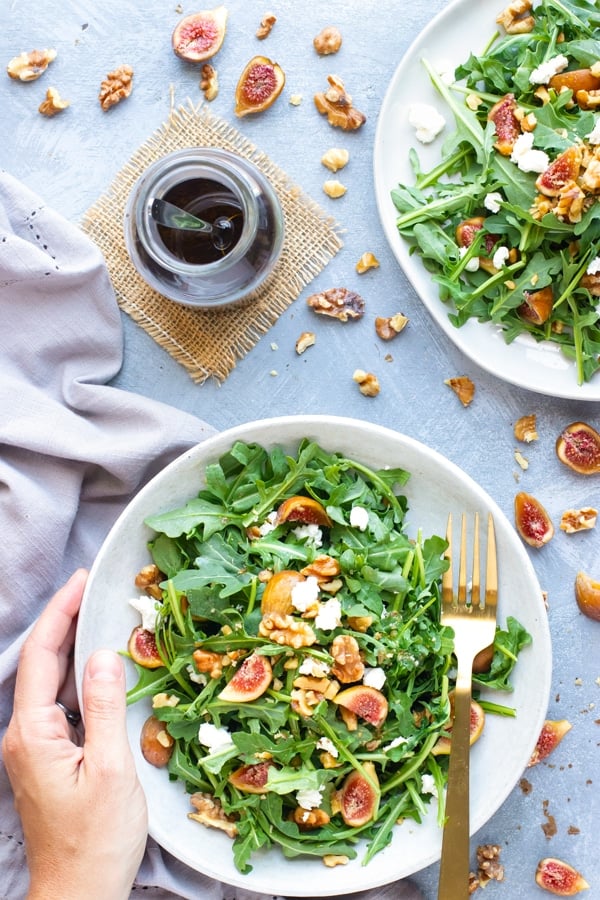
x: 209, y: 342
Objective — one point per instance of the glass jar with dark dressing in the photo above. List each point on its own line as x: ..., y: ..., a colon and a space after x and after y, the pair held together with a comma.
x: 200, y: 269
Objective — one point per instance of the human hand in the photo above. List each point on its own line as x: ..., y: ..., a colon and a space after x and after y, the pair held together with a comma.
x: 83, y: 810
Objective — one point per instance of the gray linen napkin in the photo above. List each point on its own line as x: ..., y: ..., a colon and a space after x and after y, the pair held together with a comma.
x: 72, y: 452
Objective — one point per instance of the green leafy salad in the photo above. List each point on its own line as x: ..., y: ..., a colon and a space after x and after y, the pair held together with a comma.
x: 302, y: 680
x: 508, y: 223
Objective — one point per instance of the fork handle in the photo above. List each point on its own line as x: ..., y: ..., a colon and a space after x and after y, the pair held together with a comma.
x: 454, y: 866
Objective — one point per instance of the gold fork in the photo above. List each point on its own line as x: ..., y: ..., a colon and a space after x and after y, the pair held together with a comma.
x: 474, y: 625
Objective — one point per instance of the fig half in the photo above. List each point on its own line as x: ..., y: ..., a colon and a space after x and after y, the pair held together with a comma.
x: 142, y: 648
x: 358, y: 797
x: 508, y: 129
x: 199, y: 36
x: 532, y: 521
x: 250, y: 681
x: 277, y: 595
x: 306, y: 510
x: 366, y: 702
x: 251, y: 778
x: 561, y: 171
x: 558, y: 877
x: 156, y: 743
x: 552, y: 733
x: 587, y: 594
x: 476, y: 723
x: 578, y: 447
x: 259, y: 86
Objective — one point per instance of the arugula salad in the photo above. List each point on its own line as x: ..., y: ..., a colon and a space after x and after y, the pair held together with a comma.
x: 508, y: 222
x: 302, y: 681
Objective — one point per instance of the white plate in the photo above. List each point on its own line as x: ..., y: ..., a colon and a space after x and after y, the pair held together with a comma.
x: 435, y: 488
x: 463, y: 27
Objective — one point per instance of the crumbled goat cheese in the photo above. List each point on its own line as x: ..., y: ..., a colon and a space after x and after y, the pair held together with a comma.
x: 428, y: 785
x: 325, y: 744
x: 594, y: 267
x: 196, y: 677
x: 146, y: 606
x: 309, y: 798
x: 594, y: 135
x: 359, y: 518
x: 546, y: 70
x: 314, y: 667
x: 214, y: 738
x: 526, y: 158
x: 500, y: 257
x: 312, y: 533
x: 427, y: 121
x: 374, y: 678
x: 492, y: 201
x: 305, y: 594
x: 397, y: 742
x: 473, y: 264
x: 269, y: 524
x: 329, y: 615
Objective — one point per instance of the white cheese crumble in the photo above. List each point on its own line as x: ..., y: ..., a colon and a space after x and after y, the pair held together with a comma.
x: 526, y: 158
x: 325, y: 744
x: 314, y: 667
x: 594, y: 135
x: 269, y: 524
x: 397, y: 742
x: 492, y: 201
x: 428, y: 785
x: 594, y: 267
x: 329, y: 615
x: 305, y: 594
x: 374, y: 678
x: 546, y: 70
x: 427, y: 121
x: 500, y: 257
x: 196, y: 677
x: 312, y: 533
x: 359, y: 518
x: 309, y: 798
x: 473, y: 264
x: 214, y: 738
x: 146, y: 606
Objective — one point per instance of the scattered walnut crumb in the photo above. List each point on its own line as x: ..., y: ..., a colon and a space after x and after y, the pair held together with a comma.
x: 367, y: 261
x: 179, y: 9
x: 522, y: 461
x: 525, y: 786
x: 266, y: 26
x: 473, y: 101
x: 328, y: 41
x: 306, y: 340
x: 336, y: 104
x: 209, y: 82
x: 296, y: 99
x: 525, y: 429
x: 334, y: 188
x: 116, y: 86
x: 53, y: 103
x: 583, y: 519
x: 368, y: 383
x: 29, y: 66
x: 340, y: 303
x: 463, y: 387
x: 332, y: 859
x: 549, y: 826
x: 335, y: 158
x: 573, y: 829
x: 388, y: 327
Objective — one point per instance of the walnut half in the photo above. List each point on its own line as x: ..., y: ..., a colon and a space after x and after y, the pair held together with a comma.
x: 117, y: 85
x: 209, y: 812
x: 29, y: 66
x: 339, y: 303
x: 336, y: 104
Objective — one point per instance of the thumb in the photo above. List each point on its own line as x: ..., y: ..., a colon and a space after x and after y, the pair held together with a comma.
x: 104, y: 706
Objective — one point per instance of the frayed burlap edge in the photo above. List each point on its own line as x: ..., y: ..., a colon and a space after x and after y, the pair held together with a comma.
x: 208, y: 343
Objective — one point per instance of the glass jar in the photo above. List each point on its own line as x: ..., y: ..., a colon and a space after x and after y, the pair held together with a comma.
x: 192, y: 268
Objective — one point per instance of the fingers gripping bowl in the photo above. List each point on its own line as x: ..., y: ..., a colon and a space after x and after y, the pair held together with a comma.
x: 434, y: 488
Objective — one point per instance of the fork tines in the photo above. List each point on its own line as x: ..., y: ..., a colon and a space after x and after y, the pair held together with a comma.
x: 470, y: 595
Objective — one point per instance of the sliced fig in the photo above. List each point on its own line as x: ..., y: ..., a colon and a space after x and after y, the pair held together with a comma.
x: 156, y: 743
x: 142, y: 648
x: 365, y: 702
x: 277, y: 595
x: 575, y: 80
x: 259, y: 85
x: 250, y: 681
x: 252, y: 777
x: 465, y: 234
x: 532, y: 521
x: 483, y: 660
x: 358, y: 797
x: 476, y: 723
x: 537, y: 306
x: 508, y: 128
x: 303, y: 509
x: 199, y: 36
x: 552, y: 733
x: 587, y: 594
x: 558, y: 877
x: 561, y: 171
x: 578, y: 446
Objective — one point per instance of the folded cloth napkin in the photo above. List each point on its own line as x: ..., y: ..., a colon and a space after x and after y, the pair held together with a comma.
x: 72, y: 452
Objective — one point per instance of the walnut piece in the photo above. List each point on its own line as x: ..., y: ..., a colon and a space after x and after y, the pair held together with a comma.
x: 306, y: 340
x: 328, y: 41
x: 164, y: 699
x: 488, y: 864
x: 148, y: 579
x: 368, y: 383
x: 463, y: 387
x: 335, y: 158
x: 348, y: 665
x: 285, y: 630
x: 336, y: 104
x: 334, y: 188
x: 209, y: 812
x: 335, y: 859
x: 209, y: 82
x: 525, y: 430
x: 340, y: 303
x: 29, y: 66
x: 583, y: 519
x: 209, y: 661
x: 117, y: 86
x: 516, y: 18
x: 266, y: 26
x: 367, y: 261
x: 308, y: 819
x: 323, y: 568
x: 388, y: 327
x: 53, y: 103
